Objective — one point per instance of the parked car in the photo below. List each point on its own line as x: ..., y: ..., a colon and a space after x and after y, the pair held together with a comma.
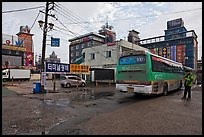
x: 72, y: 80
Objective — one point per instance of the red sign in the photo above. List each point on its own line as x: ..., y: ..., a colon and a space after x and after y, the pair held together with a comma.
x: 29, y: 59
x: 85, y: 39
x: 8, y: 42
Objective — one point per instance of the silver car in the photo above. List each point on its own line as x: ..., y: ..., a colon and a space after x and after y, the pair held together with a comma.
x: 72, y: 80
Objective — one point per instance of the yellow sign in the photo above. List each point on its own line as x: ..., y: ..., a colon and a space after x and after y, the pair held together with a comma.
x: 14, y: 48
x: 79, y: 68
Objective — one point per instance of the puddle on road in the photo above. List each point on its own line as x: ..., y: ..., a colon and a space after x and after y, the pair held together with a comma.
x: 93, y: 94
x: 59, y: 102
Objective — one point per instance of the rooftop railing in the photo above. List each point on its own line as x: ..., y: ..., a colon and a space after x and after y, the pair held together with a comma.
x: 168, y: 37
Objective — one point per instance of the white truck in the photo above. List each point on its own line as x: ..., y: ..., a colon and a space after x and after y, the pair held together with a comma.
x: 16, y: 74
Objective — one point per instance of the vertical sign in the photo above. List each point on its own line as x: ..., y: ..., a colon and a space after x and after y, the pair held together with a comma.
x: 164, y: 52
x: 169, y: 52
x: 156, y: 50
x: 55, y: 42
x: 160, y: 51
x: 43, y: 78
x: 179, y: 53
x: 173, y: 53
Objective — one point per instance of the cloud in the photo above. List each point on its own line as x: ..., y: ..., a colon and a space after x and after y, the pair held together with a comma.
x: 144, y: 17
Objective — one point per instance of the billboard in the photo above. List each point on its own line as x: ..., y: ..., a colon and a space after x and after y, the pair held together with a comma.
x: 180, y: 53
x: 14, y: 48
x: 109, y: 38
x: 160, y: 51
x: 173, y: 53
x: 175, y: 23
x: 164, y: 52
x: 57, y: 67
x: 169, y: 52
x: 79, y: 68
x: 29, y: 60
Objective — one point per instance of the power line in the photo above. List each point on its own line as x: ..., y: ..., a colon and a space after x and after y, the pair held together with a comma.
x: 71, y: 17
x: 63, y: 32
x: 78, y: 17
x: 22, y: 9
x: 26, y: 35
x: 74, y: 15
x: 67, y: 28
x: 139, y: 16
x: 78, y: 37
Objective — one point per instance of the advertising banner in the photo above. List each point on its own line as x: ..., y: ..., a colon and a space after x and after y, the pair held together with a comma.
x: 29, y: 59
x: 169, y: 52
x: 79, y: 68
x: 179, y: 53
x: 164, y: 52
x: 173, y: 53
x: 57, y: 67
x: 14, y: 48
x: 156, y: 51
x: 160, y: 51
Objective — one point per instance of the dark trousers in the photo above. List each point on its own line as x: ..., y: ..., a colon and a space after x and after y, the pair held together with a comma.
x: 187, y: 90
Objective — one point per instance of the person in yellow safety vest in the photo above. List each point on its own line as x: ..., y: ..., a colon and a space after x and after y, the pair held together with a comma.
x: 188, y: 84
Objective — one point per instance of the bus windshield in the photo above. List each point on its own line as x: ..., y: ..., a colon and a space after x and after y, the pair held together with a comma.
x: 129, y: 60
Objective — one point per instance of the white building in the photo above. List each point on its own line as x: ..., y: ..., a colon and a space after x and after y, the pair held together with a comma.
x: 106, y: 57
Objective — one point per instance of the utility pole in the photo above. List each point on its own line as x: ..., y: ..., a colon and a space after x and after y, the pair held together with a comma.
x: 44, y: 44
x: 45, y: 30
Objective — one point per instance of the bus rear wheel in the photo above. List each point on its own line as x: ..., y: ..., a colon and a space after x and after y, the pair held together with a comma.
x: 165, y: 89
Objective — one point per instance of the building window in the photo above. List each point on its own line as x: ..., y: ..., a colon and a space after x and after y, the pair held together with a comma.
x: 72, y: 60
x: 72, y: 54
x: 77, y: 46
x: 108, y: 54
x: 72, y: 48
x: 89, y: 44
x: 82, y: 45
x: 92, y: 56
x: 77, y: 53
x: 17, y: 53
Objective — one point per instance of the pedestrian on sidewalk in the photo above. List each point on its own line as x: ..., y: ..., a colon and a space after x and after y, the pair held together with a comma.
x: 188, y: 84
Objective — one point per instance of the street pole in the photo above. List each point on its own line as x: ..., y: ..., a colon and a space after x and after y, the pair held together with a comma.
x: 45, y: 29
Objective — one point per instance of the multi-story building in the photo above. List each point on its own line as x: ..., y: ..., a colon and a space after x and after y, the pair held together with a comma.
x: 18, y: 51
x: 81, y: 42
x: 106, y: 57
x: 177, y: 44
x: 105, y: 35
x: 53, y: 58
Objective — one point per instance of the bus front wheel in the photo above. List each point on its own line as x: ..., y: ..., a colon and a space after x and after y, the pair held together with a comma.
x: 165, y: 89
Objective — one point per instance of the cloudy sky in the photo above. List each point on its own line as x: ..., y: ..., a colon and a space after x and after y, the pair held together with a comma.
x: 75, y: 18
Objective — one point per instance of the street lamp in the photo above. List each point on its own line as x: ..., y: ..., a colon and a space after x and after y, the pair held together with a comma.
x: 45, y: 29
x: 50, y: 27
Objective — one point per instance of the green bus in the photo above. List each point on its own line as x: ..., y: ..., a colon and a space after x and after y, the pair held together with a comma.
x: 146, y: 73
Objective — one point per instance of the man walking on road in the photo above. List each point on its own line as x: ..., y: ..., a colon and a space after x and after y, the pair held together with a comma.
x: 188, y: 84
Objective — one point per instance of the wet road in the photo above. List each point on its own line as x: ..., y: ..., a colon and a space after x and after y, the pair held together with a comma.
x: 103, y: 111
x: 127, y: 114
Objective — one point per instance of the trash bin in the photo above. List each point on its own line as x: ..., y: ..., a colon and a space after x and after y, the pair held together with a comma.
x: 36, y: 88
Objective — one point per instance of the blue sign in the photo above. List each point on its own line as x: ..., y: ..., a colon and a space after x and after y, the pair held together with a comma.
x: 55, y: 42
x: 57, y: 67
x: 18, y: 43
x: 132, y: 60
